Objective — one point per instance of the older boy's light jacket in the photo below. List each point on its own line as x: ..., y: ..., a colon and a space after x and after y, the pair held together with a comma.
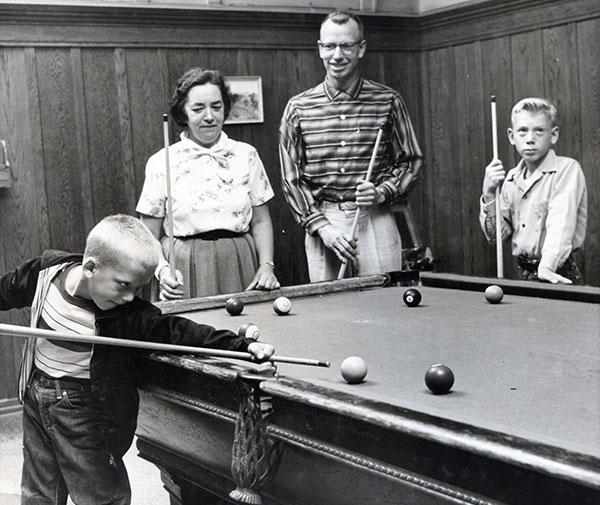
x: 114, y: 371
x: 546, y: 214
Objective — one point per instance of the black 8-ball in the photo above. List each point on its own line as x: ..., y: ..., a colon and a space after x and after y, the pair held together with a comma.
x: 439, y: 379
x: 412, y: 297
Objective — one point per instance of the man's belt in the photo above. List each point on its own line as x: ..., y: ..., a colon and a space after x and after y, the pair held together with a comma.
x: 349, y: 205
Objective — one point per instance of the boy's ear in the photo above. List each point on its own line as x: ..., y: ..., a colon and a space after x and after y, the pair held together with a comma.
x: 511, y: 136
x: 554, y: 138
x: 90, y: 265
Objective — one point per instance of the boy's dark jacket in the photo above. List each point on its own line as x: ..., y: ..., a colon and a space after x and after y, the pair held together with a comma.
x: 113, y: 370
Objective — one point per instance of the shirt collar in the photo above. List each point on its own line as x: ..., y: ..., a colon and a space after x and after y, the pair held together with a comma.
x: 547, y: 166
x: 353, y: 90
x: 220, y: 145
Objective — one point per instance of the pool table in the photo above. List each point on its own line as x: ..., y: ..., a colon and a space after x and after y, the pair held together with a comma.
x: 521, y: 424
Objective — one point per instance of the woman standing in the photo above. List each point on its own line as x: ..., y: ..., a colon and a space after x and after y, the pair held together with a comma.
x: 223, y: 235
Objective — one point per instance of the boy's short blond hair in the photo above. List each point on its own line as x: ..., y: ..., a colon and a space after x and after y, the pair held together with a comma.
x: 534, y: 104
x: 119, y: 239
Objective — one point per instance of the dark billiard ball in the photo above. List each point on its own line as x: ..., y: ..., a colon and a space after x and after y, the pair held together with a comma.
x: 412, y: 297
x: 354, y: 369
x: 249, y: 330
x: 494, y: 294
x: 282, y: 306
x: 234, y: 306
x: 439, y: 379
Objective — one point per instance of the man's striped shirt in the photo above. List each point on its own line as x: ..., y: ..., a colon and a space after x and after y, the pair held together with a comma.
x: 326, y: 141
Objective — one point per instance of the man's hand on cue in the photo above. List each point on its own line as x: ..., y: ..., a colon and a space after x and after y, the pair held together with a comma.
x: 367, y: 194
x: 340, y: 242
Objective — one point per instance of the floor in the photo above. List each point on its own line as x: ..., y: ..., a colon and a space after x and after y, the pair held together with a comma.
x: 145, y: 479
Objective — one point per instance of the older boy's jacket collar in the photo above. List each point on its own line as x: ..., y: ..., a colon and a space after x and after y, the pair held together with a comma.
x: 548, y: 165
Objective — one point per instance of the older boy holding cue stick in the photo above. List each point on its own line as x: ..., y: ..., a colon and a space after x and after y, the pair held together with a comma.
x: 543, y: 200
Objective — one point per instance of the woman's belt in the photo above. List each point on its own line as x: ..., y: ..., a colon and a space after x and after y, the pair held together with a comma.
x: 212, y: 235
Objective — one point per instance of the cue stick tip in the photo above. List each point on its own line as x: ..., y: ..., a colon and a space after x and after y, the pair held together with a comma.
x: 493, y: 98
x: 165, y: 117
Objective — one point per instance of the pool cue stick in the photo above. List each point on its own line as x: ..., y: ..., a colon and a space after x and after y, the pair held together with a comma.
x: 169, y: 202
x: 367, y: 178
x: 26, y: 332
x: 499, y: 257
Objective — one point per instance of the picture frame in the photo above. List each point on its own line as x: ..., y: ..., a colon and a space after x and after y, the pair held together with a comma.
x: 247, y: 97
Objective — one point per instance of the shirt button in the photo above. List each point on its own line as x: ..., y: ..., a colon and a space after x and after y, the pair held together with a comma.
x: 343, y: 143
x: 525, y: 197
x: 343, y: 170
x: 523, y: 225
x: 343, y: 116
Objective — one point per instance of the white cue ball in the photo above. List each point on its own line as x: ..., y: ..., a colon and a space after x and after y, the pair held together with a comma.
x: 282, y: 306
x: 354, y: 369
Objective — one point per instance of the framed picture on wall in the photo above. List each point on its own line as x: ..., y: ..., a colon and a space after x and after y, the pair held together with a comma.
x: 247, y: 100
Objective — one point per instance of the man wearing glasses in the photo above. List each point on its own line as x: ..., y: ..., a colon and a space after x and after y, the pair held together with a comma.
x: 326, y: 140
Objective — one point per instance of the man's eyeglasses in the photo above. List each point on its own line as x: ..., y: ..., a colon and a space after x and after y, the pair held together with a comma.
x: 345, y: 47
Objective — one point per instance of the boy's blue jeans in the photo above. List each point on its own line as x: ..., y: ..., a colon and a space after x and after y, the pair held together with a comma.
x: 64, y: 452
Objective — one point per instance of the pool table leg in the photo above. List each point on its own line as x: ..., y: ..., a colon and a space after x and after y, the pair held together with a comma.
x: 255, y: 455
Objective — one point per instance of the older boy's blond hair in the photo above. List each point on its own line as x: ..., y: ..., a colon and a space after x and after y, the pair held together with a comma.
x: 534, y: 104
x: 119, y: 239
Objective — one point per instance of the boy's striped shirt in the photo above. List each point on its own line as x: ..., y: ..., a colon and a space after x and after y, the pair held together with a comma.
x: 65, y: 313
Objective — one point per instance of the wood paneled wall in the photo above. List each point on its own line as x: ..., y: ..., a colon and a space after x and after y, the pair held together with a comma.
x: 83, y: 90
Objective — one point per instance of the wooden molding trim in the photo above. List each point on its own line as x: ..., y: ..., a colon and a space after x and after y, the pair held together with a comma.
x: 494, y: 19
x: 58, y: 26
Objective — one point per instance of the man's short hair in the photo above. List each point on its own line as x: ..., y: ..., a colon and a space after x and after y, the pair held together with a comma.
x: 534, y: 104
x: 342, y: 17
x: 119, y: 239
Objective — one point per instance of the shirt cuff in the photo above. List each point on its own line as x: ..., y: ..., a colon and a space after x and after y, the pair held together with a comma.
x: 316, y: 224
x: 550, y: 261
x: 489, y: 207
x: 387, y: 193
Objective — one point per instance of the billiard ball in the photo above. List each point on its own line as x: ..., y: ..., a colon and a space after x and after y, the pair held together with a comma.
x: 234, y: 306
x: 282, y: 306
x: 439, y: 379
x: 412, y: 297
x: 354, y: 369
x: 494, y: 294
x: 249, y: 330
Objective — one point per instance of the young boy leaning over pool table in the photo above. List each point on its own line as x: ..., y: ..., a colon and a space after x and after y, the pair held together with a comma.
x: 80, y: 401
x: 543, y: 199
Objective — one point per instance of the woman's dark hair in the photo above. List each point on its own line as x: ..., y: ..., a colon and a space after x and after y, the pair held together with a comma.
x: 194, y: 77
